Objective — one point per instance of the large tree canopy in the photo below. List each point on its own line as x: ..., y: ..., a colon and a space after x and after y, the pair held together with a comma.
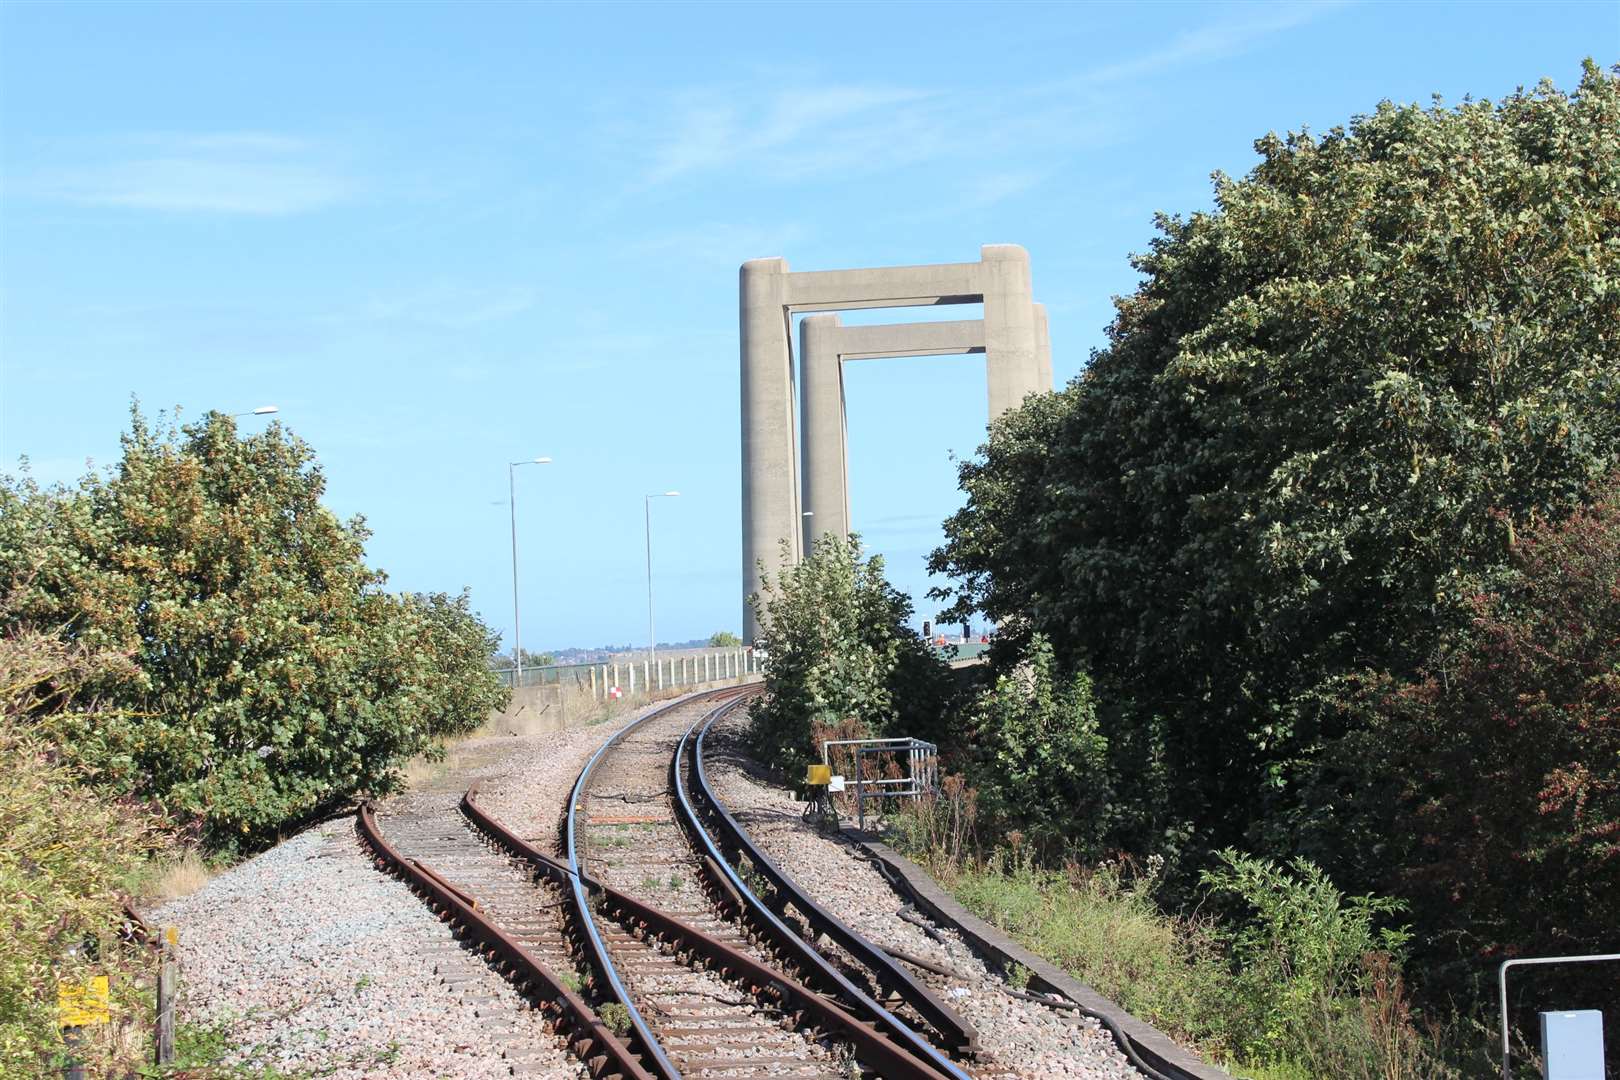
x: 269, y: 672
x: 1317, y: 427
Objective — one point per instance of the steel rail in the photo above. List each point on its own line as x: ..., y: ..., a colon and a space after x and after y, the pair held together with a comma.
x: 889, y: 974
x: 591, y: 1040
x: 577, y: 887
x: 768, y: 921
x: 790, y: 995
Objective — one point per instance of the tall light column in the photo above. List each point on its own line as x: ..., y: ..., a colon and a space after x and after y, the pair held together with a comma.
x: 652, y: 634
x: 517, y: 622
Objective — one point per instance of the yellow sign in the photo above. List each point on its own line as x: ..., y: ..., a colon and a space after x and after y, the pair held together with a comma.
x: 819, y: 775
x: 80, y: 1004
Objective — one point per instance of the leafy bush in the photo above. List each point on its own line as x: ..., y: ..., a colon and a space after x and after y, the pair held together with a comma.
x: 840, y: 653
x: 1296, y: 984
x: 270, y: 674
x: 1040, y: 762
x: 1299, y: 949
x: 65, y: 852
x: 1318, y: 425
x: 1522, y: 857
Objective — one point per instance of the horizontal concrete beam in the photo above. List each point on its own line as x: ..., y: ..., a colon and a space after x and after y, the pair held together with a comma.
x: 909, y: 339
x: 888, y: 286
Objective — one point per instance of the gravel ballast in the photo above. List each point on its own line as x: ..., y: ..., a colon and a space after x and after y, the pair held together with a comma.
x: 1027, y: 1038
x: 306, y: 957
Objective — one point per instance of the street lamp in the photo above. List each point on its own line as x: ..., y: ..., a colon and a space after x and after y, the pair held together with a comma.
x: 517, y: 624
x: 262, y: 410
x: 652, y: 636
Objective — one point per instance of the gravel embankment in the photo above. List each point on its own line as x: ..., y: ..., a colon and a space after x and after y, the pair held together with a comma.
x: 1026, y: 1037
x: 311, y: 959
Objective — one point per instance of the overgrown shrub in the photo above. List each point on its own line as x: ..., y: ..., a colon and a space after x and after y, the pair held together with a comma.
x: 1301, y: 953
x: 840, y: 652
x: 1487, y: 788
x: 1296, y: 982
x: 65, y: 853
x: 1316, y: 428
x: 270, y: 673
x: 1039, y: 759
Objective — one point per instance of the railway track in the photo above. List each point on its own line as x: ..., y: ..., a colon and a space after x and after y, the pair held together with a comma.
x: 650, y: 952
x: 627, y: 831
x: 634, y: 990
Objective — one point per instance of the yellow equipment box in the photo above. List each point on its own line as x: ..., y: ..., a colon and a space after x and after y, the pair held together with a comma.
x: 80, y: 1004
x: 818, y: 775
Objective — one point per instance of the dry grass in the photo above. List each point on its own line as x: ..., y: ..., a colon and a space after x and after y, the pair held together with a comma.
x: 419, y: 772
x: 179, y: 874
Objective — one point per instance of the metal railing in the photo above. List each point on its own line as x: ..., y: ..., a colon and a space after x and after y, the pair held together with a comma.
x: 632, y: 675
x: 921, y: 776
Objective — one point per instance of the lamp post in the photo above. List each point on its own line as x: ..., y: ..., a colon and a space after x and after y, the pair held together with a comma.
x: 517, y: 623
x: 262, y: 410
x: 652, y: 635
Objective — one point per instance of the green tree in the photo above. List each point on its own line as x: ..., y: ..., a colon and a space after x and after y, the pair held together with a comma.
x: 501, y: 661
x: 1041, y: 762
x: 839, y: 645
x: 724, y: 639
x: 271, y: 673
x: 1316, y: 430
x: 1486, y: 788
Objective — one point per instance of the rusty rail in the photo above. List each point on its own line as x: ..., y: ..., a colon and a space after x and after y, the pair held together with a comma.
x: 590, y: 1039
x: 956, y: 1029
x: 786, y: 993
x: 789, y: 943
x: 576, y: 884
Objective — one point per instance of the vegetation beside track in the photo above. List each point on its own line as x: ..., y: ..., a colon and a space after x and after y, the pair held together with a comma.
x: 267, y: 674
x: 193, y: 655
x: 1316, y: 560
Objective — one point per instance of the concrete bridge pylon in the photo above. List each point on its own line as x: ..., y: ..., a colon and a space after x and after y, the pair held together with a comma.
x: 1012, y: 335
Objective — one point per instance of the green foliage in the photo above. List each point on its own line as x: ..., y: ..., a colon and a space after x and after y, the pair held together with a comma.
x: 1040, y: 762
x: 1295, y: 986
x: 64, y: 851
x: 1522, y: 857
x: 503, y: 661
x: 270, y: 674
x: 1318, y: 425
x: 724, y: 639
x: 615, y: 1016
x: 1303, y: 945
x: 840, y: 653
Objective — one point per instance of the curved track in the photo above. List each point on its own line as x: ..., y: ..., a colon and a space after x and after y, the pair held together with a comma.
x: 613, y: 853
x: 663, y: 943
x: 517, y: 933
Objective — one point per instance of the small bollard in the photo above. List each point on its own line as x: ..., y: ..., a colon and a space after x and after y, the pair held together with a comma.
x: 167, y: 984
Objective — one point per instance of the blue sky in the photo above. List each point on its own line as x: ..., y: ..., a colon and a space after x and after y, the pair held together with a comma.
x: 443, y: 237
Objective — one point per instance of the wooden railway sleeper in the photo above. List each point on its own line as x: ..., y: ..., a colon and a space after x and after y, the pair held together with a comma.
x: 892, y: 1059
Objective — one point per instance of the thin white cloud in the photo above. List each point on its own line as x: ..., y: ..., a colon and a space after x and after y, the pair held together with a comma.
x: 239, y: 173
x: 814, y: 130
x: 712, y: 130
x: 1214, y: 40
